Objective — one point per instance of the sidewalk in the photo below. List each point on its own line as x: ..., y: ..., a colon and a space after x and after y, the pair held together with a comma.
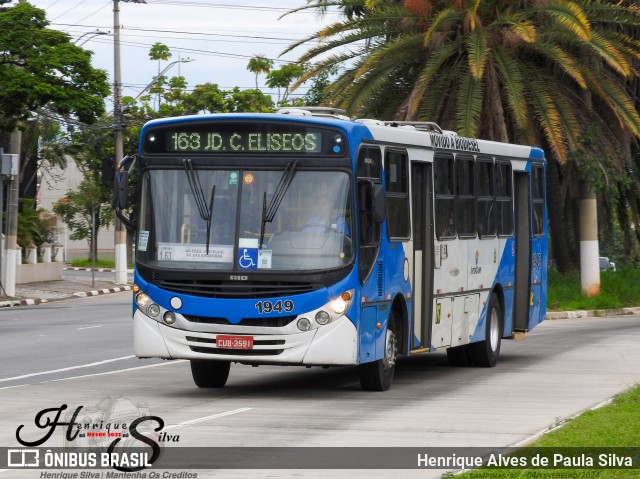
x: 66, y: 288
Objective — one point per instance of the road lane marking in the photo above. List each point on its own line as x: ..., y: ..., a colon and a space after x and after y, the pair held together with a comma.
x: 208, y: 418
x: 89, y: 365
x: 166, y: 363
x: 89, y: 327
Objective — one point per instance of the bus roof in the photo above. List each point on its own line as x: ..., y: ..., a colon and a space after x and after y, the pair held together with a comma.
x: 416, y: 135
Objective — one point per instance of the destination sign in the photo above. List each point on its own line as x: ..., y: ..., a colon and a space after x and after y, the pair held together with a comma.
x: 248, y: 138
x: 232, y: 141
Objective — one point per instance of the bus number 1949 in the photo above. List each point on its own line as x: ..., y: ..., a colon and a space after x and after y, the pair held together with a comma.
x: 279, y: 306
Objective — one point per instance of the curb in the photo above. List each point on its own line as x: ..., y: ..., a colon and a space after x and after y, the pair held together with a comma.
x: 97, y: 270
x: 592, y: 313
x: 80, y: 294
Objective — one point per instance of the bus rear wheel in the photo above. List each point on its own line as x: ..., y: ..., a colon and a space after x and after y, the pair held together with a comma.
x: 210, y: 374
x: 378, y: 375
x: 485, y: 353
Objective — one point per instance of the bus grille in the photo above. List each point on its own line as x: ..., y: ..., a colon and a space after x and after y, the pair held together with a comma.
x: 202, y: 348
x: 253, y: 322
x: 225, y: 289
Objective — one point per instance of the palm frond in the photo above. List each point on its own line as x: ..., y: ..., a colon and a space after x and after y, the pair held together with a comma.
x: 513, y: 84
x: 477, y: 53
x: 548, y: 117
x: 557, y: 56
x: 610, y: 54
x: 568, y: 15
x: 446, y: 16
x: 608, y: 90
x: 470, y: 98
x: 437, y: 59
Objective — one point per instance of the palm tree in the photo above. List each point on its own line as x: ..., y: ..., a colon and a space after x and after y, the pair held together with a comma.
x: 533, y: 71
x: 259, y: 64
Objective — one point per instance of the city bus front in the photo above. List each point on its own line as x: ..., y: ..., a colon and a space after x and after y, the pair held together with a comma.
x: 245, y: 244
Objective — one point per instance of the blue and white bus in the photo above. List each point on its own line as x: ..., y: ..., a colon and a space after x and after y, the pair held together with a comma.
x: 430, y: 242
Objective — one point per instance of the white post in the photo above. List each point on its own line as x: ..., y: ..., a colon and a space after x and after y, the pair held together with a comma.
x: 46, y: 253
x: 32, y: 254
x: 58, y: 255
x: 589, y: 248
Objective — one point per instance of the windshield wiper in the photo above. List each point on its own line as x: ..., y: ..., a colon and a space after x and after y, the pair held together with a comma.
x: 269, y: 211
x: 205, y: 210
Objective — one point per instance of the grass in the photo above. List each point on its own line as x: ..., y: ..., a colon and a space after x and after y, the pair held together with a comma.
x: 101, y: 263
x: 618, y: 289
x: 611, y: 426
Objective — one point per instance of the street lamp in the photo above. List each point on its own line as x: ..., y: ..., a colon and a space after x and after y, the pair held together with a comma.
x: 166, y: 69
x: 97, y: 32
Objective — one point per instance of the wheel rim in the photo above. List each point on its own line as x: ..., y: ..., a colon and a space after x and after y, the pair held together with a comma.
x: 390, y: 351
x: 494, y: 330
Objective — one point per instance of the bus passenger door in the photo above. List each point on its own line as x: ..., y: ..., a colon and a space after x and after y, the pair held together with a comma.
x: 421, y: 187
x: 522, y: 197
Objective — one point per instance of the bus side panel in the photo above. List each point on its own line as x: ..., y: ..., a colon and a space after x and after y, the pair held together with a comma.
x: 505, y: 279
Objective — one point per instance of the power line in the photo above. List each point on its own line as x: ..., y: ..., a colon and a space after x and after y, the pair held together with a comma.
x: 182, y: 32
x: 72, y: 8
x: 232, y: 7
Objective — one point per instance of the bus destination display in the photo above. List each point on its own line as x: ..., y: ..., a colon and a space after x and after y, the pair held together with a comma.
x: 248, y: 138
x: 247, y: 141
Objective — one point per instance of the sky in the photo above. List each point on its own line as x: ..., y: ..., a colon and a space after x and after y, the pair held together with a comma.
x: 219, y: 35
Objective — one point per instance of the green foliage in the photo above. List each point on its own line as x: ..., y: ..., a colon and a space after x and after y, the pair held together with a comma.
x: 40, y: 66
x: 159, y: 51
x: 284, y: 77
x: 618, y: 289
x: 611, y: 426
x: 259, y: 64
x: 35, y: 227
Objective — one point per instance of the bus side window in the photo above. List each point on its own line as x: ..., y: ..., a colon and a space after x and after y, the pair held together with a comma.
x: 486, y: 198
x: 465, y: 197
x: 504, y: 198
x: 538, y: 200
x: 369, y: 172
x: 397, y: 188
x: 443, y: 181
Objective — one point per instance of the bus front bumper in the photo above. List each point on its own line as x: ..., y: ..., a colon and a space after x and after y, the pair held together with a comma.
x: 331, y: 345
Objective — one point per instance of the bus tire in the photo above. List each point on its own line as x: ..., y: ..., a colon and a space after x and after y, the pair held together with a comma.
x: 459, y: 356
x: 378, y: 375
x: 485, y: 353
x: 210, y: 374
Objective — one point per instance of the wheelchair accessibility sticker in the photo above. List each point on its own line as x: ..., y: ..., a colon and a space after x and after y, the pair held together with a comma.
x: 248, y: 253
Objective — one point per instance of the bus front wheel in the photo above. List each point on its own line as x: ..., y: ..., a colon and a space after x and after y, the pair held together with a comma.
x: 378, y: 375
x: 210, y: 374
x: 485, y: 353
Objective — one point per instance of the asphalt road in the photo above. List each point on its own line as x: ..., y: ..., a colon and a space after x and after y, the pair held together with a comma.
x: 77, y: 352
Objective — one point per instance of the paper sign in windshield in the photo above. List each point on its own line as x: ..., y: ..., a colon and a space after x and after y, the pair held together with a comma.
x: 195, y: 252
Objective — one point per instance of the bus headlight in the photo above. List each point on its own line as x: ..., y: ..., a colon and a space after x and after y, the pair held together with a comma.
x: 168, y: 317
x: 342, y: 302
x: 322, y: 317
x: 143, y: 300
x: 334, y: 308
x: 304, y: 324
x: 153, y: 310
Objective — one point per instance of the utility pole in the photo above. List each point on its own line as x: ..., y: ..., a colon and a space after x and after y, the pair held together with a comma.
x: 120, y: 235
x: 11, y: 238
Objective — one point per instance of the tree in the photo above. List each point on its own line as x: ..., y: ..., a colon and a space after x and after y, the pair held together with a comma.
x: 83, y: 207
x: 259, y: 64
x: 92, y: 198
x: 284, y: 77
x: 526, y: 72
x: 40, y: 66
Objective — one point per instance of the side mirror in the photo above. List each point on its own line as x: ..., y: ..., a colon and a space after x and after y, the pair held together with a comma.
x: 371, y: 210
x: 121, y: 199
x: 379, y: 204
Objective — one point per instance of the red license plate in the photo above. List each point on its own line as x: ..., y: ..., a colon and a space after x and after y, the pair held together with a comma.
x: 234, y: 342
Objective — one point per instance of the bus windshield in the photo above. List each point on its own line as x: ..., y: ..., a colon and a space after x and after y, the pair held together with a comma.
x: 311, y: 228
